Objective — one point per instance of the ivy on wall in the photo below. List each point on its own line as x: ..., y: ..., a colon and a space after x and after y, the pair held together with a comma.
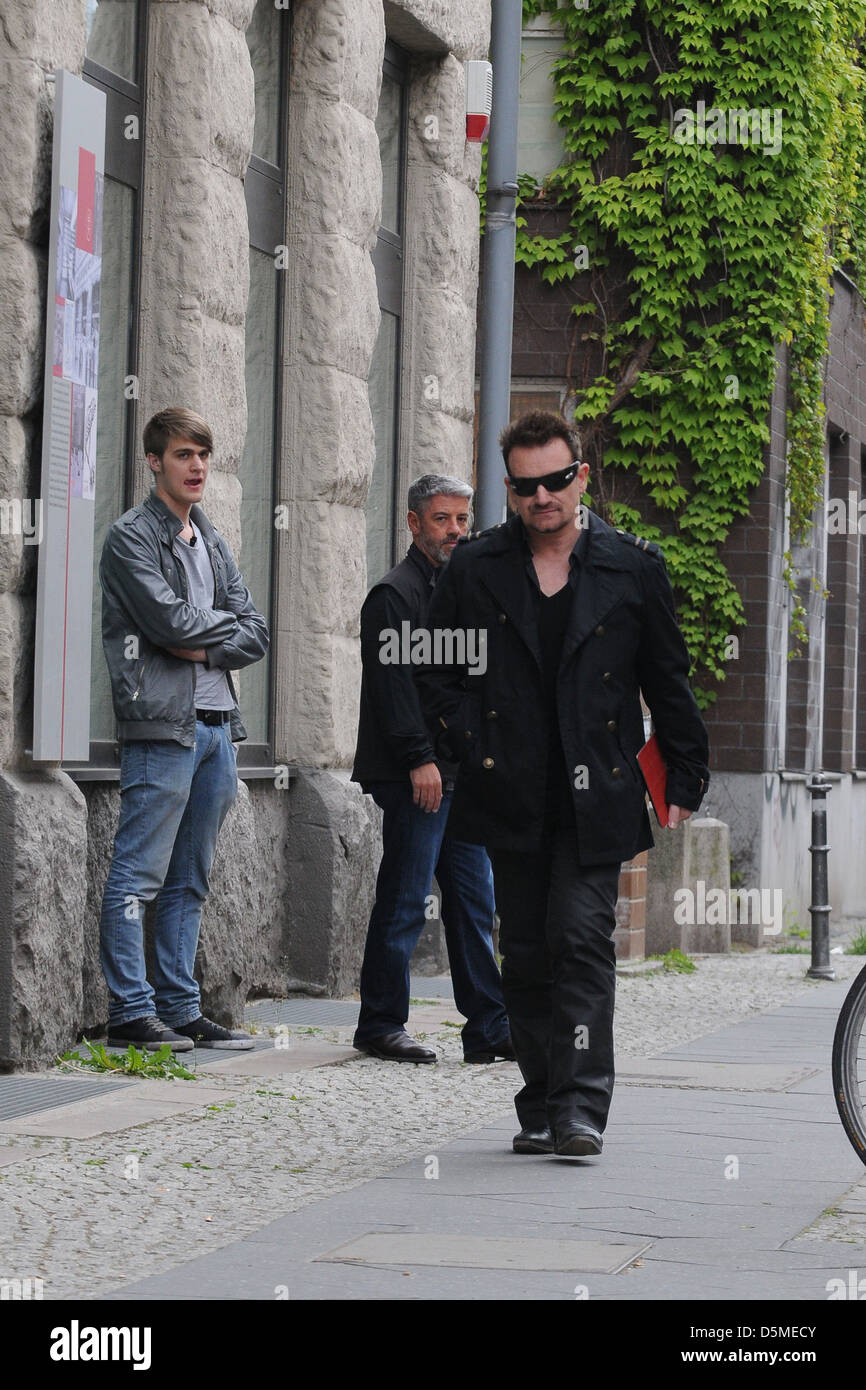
x: 712, y: 178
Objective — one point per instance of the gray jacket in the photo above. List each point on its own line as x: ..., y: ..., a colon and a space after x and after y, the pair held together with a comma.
x: 145, y: 610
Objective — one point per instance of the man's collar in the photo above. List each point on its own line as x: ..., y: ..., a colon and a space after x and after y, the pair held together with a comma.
x: 419, y: 559
x: 171, y: 520
x: 579, y: 550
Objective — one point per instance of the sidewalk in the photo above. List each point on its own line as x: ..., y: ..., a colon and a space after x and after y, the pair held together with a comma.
x: 725, y: 1173
x: 655, y: 1217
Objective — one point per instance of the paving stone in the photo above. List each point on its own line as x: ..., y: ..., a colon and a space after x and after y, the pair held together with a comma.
x: 716, y: 1076
x: 478, y: 1252
x: 84, y: 1119
x: 278, y: 1060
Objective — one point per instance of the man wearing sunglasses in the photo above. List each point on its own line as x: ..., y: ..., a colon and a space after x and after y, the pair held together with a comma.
x: 580, y: 620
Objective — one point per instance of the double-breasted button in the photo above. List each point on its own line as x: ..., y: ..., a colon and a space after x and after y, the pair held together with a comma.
x: 616, y: 772
x: 606, y: 677
x: 501, y: 618
x: 491, y: 714
x: 468, y: 733
x: 611, y: 724
x: 488, y: 763
x: 599, y: 631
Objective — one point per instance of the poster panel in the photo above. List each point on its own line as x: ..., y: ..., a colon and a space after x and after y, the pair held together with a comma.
x: 61, y: 704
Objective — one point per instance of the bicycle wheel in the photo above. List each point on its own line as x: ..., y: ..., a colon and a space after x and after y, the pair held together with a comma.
x: 849, y: 1065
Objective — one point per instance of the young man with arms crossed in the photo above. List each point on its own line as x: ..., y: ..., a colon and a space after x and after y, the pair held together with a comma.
x: 176, y: 620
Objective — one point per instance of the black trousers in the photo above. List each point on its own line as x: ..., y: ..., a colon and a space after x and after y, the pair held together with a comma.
x: 558, y: 979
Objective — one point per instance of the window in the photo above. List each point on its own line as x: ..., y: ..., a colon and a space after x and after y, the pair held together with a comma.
x: 265, y: 188
x: 115, y: 62
x: 540, y: 143
x: 384, y: 382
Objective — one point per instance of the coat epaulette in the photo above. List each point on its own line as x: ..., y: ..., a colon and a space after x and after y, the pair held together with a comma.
x: 640, y: 541
x: 478, y: 535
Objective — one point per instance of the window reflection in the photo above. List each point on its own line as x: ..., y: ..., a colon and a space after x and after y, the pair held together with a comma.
x: 111, y: 35
x: 388, y: 123
x: 263, y: 39
x: 255, y: 473
x: 117, y: 241
x: 383, y: 406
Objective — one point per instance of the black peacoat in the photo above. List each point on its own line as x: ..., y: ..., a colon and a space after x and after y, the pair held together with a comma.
x: 622, y: 638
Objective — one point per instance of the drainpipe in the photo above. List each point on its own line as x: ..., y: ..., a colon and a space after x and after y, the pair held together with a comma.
x: 497, y: 281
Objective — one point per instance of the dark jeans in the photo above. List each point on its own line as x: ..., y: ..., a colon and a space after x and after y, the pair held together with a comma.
x: 414, y: 848
x: 556, y: 923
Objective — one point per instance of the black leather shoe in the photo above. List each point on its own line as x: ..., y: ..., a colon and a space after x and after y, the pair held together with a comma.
x: 533, y: 1141
x: 577, y: 1141
x: 396, y: 1047
x: 501, y: 1051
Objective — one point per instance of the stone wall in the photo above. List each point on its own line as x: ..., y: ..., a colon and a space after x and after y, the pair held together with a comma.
x: 293, y: 879
x: 42, y: 814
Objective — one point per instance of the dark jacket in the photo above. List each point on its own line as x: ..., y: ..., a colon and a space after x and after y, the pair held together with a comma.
x: 622, y: 638
x: 145, y: 598
x: 392, y: 733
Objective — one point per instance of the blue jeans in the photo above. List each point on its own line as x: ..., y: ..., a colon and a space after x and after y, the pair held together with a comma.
x: 173, y: 801
x: 414, y: 848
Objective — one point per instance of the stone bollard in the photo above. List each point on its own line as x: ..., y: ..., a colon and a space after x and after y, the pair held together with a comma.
x: 687, y: 867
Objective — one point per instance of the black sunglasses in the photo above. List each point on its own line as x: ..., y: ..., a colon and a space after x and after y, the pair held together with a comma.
x: 553, y: 482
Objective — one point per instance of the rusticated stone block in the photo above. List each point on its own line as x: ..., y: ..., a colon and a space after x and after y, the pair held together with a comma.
x: 318, y: 725
x: 22, y: 326
x: 339, y: 46
x: 247, y: 915
x: 323, y: 465
x: 205, y: 257
x: 43, y: 829
x: 25, y: 161
x: 441, y: 441
x: 444, y: 353
x: 336, y: 177
x: 335, y: 326
x: 17, y: 625
x: 222, y: 503
x: 327, y: 584
x: 334, y: 847
x: 172, y: 363
x: 437, y: 120
x: 52, y: 35
x: 20, y: 510
x: 445, y: 243
x: 237, y: 12
x: 222, y: 391
x: 435, y: 26
x: 192, y: 45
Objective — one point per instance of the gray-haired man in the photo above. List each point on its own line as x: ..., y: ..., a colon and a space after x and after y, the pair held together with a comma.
x: 396, y: 764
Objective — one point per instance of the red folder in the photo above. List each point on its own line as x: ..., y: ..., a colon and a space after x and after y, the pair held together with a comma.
x: 655, y: 774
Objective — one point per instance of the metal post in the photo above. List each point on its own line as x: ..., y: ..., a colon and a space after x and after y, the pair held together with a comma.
x: 497, y: 281
x: 819, y: 909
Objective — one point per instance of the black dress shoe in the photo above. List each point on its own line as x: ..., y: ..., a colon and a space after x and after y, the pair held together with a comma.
x: 533, y: 1141
x: 501, y: 1051
x: 577, y: 1141
x: 396, y: 1047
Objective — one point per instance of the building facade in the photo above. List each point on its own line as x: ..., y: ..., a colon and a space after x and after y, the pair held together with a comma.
x: 290, y: 247
x: 779, y: 716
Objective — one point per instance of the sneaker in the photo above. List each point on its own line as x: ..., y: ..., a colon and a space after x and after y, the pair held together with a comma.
x: 205, y: 1033
x: 150, y: 1033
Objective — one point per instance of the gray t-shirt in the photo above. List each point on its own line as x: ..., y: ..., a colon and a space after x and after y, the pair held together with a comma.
x: 211, y: 687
